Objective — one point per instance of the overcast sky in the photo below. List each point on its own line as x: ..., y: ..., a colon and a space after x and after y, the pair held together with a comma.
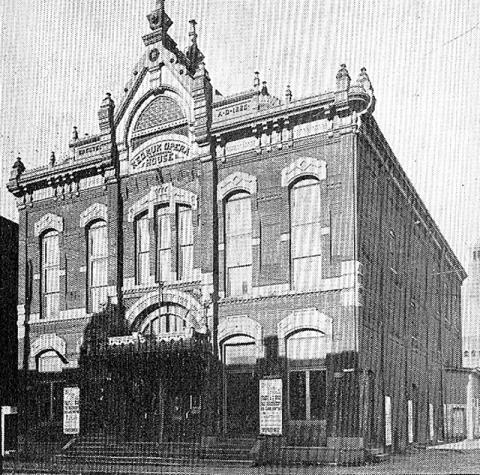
x: 59, y: 57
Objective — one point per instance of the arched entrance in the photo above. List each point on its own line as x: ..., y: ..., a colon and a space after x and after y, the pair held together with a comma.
x: 153, y: 384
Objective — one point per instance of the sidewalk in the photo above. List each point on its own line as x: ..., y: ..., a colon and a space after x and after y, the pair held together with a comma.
x: 424, y: 462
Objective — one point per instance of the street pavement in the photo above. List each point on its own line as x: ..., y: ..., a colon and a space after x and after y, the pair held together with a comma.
x: 438, y: 462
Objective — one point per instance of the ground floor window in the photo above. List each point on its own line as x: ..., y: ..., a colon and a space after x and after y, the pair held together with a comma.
x: 307, y: 394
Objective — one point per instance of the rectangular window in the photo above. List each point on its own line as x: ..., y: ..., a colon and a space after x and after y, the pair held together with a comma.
x: 298, y: 395
x: 164, y: 245
x: 97, y: 266
x: 185, y: 243
x: 238, y: 248
x: 307, y: 394
x: 50, y: 275
x: 318, y: 394
x: 306, y: 231
x: 142, y: 250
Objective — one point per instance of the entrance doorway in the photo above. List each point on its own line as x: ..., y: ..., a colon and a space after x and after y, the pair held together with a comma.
x: 240, y: 386
x: 242, y: 403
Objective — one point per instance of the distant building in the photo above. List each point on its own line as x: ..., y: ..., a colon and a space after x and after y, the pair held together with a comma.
x: 471, y: 310
x: 278, y: 237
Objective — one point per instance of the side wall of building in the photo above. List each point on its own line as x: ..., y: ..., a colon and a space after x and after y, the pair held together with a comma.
x: 410, y: 321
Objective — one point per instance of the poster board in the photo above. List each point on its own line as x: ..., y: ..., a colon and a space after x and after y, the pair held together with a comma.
x: 71, y: 410
x: 388, y: 420
x: 270, y: 405
x: 410, y: 420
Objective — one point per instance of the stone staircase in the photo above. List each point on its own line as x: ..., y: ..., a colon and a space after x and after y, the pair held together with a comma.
x: 100, y: 450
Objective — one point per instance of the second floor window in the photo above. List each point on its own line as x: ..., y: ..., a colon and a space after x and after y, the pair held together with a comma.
x: 184, y: 243
x: 142, y: 249
x: 164, y: 244
x: 50, y: 277
x: 97, y: 265
x: 238, y: 244
x: 171, y: 245
x: 305, y: 232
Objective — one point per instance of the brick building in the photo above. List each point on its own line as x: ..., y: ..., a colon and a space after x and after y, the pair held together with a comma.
x: 278, y: 236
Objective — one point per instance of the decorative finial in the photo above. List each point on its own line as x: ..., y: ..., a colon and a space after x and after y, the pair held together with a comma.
x: 52, y: 159
x: 108, y: 101
x: 75, y: 133
x: 18, y: 168
x: 288, y: 95
x: 256, y: 81
x: 343, y: 78
x: 194, y: 55
x: 264, y: 91
x: 364, y: 80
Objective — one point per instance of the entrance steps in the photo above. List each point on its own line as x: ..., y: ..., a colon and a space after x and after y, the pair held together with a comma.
x: 212, y: 450
x: 376, y: 455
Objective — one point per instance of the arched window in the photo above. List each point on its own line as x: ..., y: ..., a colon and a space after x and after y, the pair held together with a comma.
x: 142, y: 249
x: 50, y: 276
x: 474, y: 354
x: 97, y: 269
x: 239, y: 350
x: 238, y: 244
x: 49, y: 362
x: 306, y: 386
x: 305, y: 232
x: 164, y: 324
x: 465, y: 353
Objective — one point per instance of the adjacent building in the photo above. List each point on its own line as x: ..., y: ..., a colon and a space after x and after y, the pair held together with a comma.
x: 471, y: 310
x: 8, y: 335
x: 200, y: 243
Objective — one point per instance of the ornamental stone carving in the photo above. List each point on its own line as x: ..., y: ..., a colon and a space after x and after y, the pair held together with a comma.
x: 304, y: 166
x: 193, y: 308
x: 237, y: 181
x: 92, y: 213
x: 166, y: 193
x: 48, y: 221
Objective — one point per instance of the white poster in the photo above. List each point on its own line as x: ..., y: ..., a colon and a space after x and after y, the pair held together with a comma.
x: 430, y: 420
x: 71, y: 410
x: 410, y: 421
x: 270, y: 406
x: 388, y: 420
